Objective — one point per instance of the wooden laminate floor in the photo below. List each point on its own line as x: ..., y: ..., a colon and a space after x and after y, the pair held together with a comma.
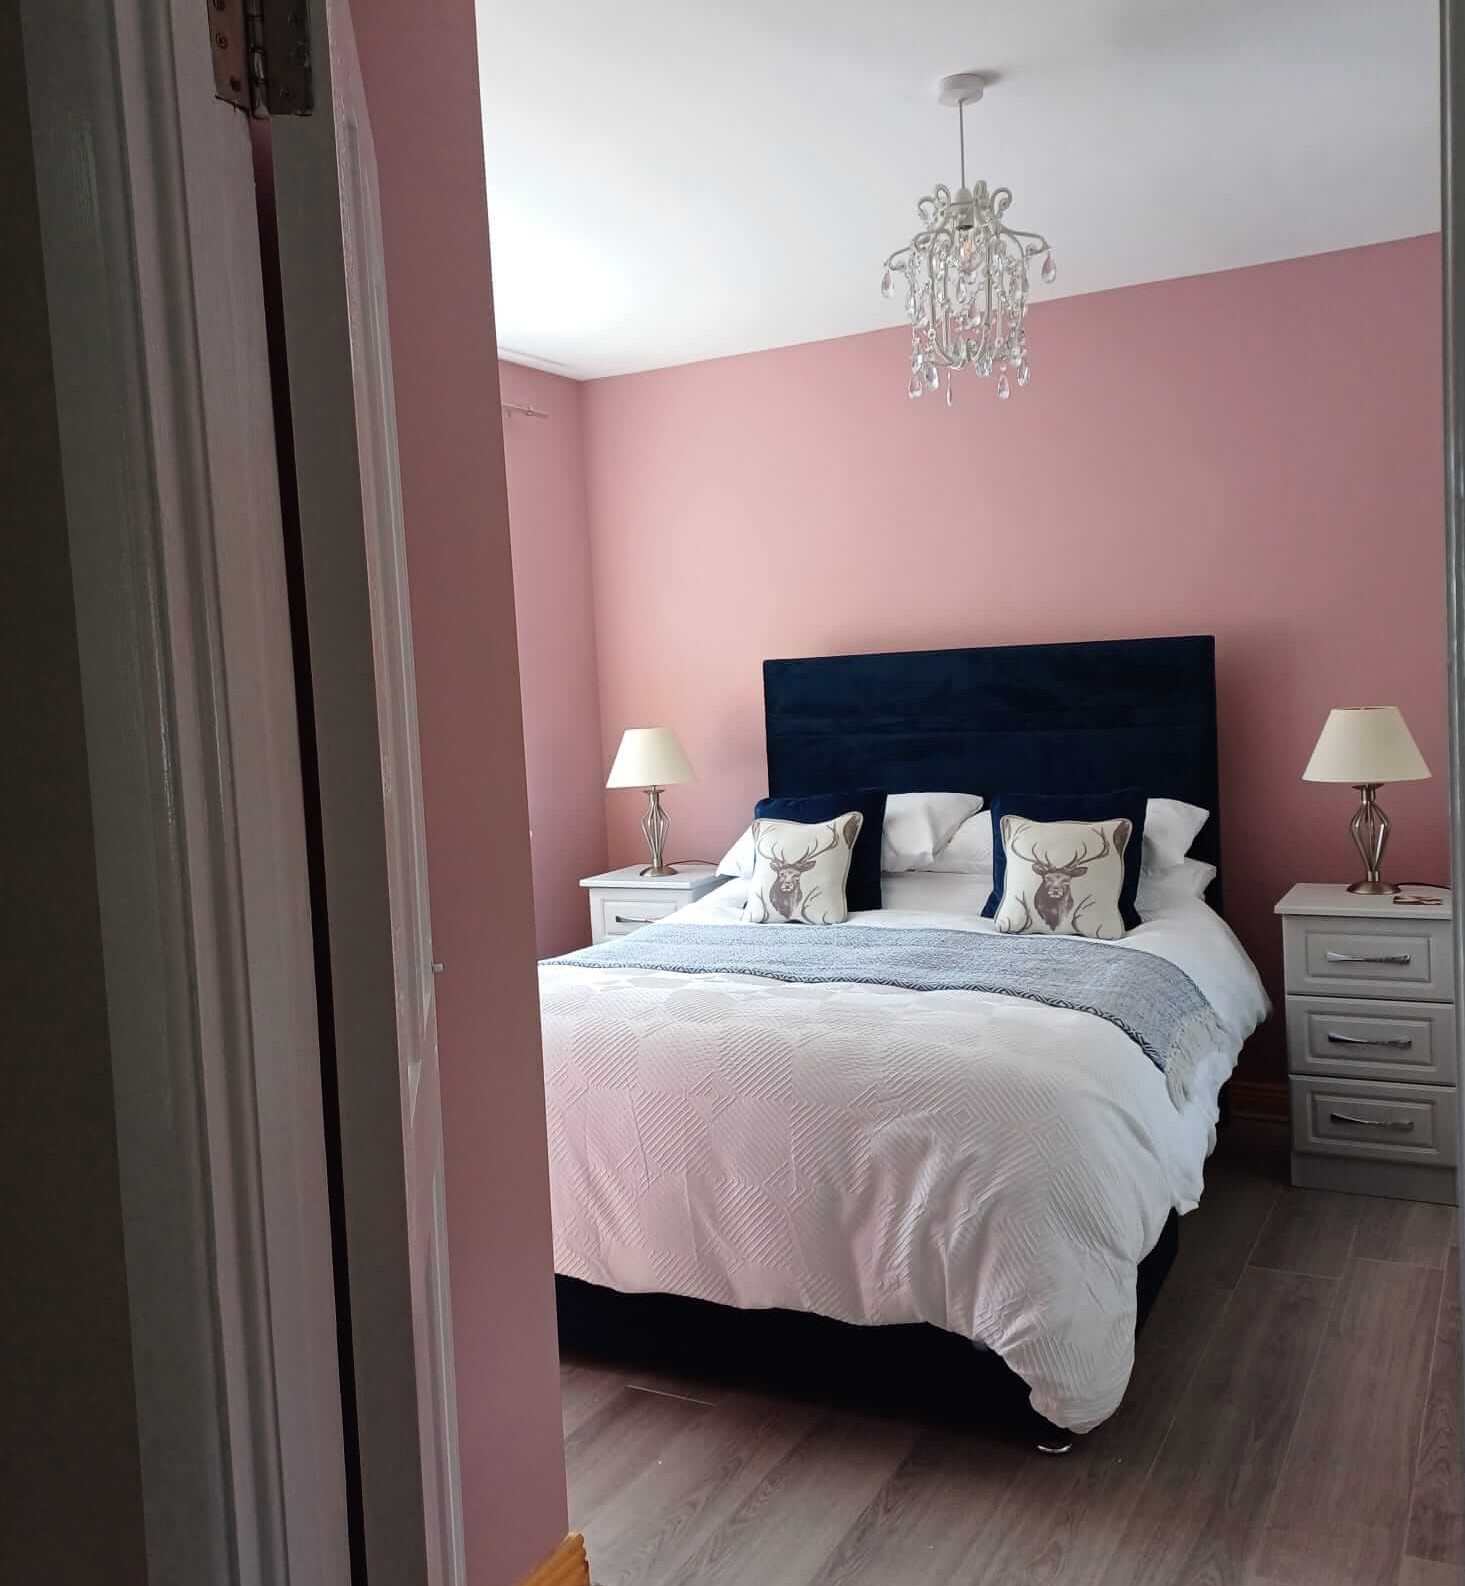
x: 1292, y: 1421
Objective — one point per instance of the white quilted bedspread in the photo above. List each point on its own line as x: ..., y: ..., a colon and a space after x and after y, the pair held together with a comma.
x: 988, y: 1165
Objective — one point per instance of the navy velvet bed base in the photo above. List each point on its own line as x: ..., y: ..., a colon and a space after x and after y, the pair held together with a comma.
x: 1037, y: 718
x: 907, y: 1370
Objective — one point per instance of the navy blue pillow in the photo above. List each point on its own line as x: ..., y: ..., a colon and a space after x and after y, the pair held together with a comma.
x: 1127, y: 803
x: 862, y: 890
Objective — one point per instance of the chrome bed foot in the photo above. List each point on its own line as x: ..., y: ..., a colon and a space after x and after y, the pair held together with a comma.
x: 1049, y: 1438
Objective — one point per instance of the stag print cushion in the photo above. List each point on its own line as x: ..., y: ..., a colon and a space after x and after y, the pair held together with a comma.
x: 862, y: 889
x: 1063, y: 877
x: 1090, y: 809
x: 800, y: 871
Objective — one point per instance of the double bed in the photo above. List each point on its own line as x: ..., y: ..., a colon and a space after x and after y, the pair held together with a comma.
x: 1002, y: 1169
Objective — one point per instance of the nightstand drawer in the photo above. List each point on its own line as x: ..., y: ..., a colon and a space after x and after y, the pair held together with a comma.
x: 622, y: 901
x: 1373, y: 1121
x: 620, y: 916
x: 1407, y: 961
x: 1356, y: 1038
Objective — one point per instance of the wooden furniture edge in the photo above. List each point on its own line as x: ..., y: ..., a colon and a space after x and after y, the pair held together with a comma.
x: 566, y: 1566
x: 1259, y: 1098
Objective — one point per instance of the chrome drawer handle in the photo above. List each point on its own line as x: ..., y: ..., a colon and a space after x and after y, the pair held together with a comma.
x: 1401, y: 1045
x: 1366, y: 958
x: 1403, y: 1125
x: 634, y: 919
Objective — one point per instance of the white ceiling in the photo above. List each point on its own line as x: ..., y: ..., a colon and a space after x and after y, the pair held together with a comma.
x: 673, y: 181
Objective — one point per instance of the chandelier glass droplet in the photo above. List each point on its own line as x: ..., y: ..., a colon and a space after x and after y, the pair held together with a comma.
x: 966, y: 276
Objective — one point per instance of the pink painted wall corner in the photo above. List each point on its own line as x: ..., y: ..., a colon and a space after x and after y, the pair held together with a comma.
x: 558, y: 670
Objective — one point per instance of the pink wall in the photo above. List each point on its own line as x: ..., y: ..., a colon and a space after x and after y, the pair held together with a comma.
x: 555, y: 608
x: 422, y: 92
x: 1254, y: 454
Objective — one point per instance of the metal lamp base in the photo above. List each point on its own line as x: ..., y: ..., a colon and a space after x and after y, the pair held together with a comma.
x: 655, y: 824
x: 1370, y: 828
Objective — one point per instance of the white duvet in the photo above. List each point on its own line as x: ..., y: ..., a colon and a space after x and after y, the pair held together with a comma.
x: 985, y: 1164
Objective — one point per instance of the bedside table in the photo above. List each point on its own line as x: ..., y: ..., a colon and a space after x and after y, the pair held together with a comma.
x: 1371, y: 1054
x: 622, y: 901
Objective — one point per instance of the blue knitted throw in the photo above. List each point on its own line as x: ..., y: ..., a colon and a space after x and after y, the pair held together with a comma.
x: 1158, y: 1006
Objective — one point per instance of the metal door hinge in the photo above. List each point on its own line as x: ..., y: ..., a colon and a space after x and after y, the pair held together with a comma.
x: 261, y: 51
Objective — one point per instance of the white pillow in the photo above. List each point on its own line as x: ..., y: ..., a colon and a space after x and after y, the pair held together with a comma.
x: 1063, y: 877
x: 919, y: 825
x: 1170, y: 828
x: 970, y: 849
x: 1161, y: 889
x: 738, y: 861
x: 800, y: 871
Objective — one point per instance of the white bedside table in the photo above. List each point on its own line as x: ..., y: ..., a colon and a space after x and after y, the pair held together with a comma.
x: 1371, y: 1055
x: 622, y: 901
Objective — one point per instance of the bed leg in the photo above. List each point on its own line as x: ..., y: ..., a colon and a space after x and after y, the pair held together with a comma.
x: 1048, y: 1438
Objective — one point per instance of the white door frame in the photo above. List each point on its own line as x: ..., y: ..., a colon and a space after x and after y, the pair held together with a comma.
x: 157, y: 328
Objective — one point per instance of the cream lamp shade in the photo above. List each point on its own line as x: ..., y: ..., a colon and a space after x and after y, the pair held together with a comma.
x: 649, y: 757
x: 1365, y: 746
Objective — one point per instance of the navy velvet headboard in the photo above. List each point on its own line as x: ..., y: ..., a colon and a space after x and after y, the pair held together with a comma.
x: 1029, y: 718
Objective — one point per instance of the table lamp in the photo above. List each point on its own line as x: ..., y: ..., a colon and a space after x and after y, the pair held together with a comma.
x: 650, y: 758
x: 1365, y: 746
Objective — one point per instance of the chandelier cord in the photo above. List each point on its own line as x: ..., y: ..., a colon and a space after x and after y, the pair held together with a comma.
x: 961, y: 133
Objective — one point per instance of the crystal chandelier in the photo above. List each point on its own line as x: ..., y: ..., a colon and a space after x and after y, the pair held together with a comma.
x: 966, y: 275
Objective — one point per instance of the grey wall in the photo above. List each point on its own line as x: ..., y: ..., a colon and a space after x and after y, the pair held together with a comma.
x: 70, y: 1482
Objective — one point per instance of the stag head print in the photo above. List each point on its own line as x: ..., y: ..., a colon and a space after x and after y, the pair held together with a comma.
x: 783, y: 886
x: 1055, y: 896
